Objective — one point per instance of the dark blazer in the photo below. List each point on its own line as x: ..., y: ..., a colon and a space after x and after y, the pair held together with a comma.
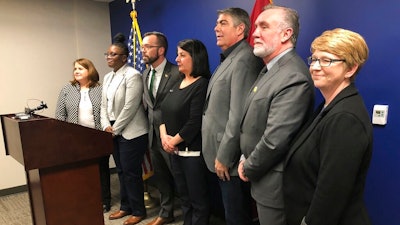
x: 169, y: 77
x: 226, y: 93
x: 277, y: 106
x: 327, y: 165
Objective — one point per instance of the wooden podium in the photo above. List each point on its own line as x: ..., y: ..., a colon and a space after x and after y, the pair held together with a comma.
x: 61, y: 164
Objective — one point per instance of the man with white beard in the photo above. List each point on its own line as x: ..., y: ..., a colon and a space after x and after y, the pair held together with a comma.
x: 278, y: 104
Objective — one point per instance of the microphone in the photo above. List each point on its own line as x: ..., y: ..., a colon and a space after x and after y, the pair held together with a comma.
x: 28, y: 113
x: 42, y: 105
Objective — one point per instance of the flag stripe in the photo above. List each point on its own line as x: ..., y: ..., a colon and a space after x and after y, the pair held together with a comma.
x: 135, y: 59
x: 257, y: 9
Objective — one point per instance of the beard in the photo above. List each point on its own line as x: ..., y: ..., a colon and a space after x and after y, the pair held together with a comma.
x: 150, y: 60
x: 261, y: 52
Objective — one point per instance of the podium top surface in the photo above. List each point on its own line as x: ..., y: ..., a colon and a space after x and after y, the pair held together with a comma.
x: 43, y: 142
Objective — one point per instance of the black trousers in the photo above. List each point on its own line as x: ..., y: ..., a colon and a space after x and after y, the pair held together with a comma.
x: 128, y: 156
x: 105, y: 180
x: 190, y: 174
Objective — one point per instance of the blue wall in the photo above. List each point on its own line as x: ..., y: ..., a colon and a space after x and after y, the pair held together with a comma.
x: 377, y: 81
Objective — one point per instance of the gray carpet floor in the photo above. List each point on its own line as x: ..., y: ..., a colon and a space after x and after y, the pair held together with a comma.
x: 15, y: 209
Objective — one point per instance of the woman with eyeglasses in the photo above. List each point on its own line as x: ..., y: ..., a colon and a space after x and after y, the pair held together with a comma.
x: 327, y: 165
x: 122, y: 114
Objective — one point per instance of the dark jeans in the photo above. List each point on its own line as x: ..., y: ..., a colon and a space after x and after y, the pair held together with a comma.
x: 128, y: 156
x: 237, y: 201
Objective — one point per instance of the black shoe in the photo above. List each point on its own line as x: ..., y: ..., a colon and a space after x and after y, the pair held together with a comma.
x: 106, y: 208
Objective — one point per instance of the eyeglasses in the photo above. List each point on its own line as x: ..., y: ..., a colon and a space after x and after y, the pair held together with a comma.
x: 111, y: 54
x: 147, y: 47
x: 324, y: 62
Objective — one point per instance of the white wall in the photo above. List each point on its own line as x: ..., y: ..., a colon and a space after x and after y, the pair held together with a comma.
x: 39, y: 40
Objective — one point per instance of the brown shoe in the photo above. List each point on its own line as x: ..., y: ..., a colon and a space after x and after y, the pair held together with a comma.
x: 161, y: 220
x: 118, y: 214
x: 133, y: 220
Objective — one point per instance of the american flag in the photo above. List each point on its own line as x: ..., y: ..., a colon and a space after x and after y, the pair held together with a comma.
x: 135, y: 54
x: 136, y: 61
x: 147, y: 166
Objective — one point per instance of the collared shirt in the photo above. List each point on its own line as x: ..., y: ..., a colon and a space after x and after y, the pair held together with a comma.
x: 159, y: 71
x: 228, y: 51
x: 274, y: 60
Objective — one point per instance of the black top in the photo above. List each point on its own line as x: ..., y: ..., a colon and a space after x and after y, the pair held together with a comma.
x: 182, y: 110
x: 228, y: 51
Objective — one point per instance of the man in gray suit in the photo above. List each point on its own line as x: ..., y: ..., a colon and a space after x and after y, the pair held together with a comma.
x: 278, y: 104
x: 226, y: 92
x: 156, y: 86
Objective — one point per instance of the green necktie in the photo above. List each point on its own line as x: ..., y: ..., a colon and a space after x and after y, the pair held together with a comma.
x: 151, y: 88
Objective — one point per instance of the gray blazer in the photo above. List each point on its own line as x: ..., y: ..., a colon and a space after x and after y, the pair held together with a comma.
x: 131, y: 121
x: 279, y: 102
x: 169, y: 77
x: 225, y: 97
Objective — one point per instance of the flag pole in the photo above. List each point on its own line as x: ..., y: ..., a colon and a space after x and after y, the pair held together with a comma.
x: 149, y: 201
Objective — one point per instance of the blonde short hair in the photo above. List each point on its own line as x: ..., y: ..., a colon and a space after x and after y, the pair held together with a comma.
x: 346, y: 44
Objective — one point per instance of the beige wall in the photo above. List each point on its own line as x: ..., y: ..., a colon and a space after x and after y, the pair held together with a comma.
x: 39, y: 40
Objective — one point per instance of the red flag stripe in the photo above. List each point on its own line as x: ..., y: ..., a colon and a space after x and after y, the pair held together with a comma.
x: 147, y: 166
x: 257, y: 9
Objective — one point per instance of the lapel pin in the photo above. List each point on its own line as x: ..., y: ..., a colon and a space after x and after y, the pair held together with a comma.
x: 255, y: 89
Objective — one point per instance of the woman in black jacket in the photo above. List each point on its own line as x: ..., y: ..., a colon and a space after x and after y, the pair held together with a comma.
x: 327, y: 165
